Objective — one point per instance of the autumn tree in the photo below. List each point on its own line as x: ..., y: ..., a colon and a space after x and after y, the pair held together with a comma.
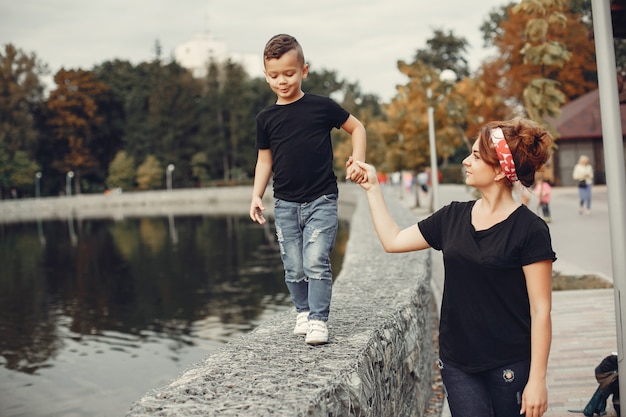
x: 510, y: 73
x: 150, y: 174
x: 404, y: 132
x: 21, y: 94
x: 542, y: 96
x: 74, y: 121
x: 122, y: 172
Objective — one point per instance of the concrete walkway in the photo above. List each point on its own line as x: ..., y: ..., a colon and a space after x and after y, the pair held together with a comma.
x: 583, y: 321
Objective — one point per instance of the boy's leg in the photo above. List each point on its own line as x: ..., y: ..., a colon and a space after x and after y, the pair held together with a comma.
x: 319, y: 236
x: 289, y: 235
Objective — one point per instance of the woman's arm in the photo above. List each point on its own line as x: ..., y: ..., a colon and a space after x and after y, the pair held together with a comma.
x: 391, y: 236
x: 539, y: 285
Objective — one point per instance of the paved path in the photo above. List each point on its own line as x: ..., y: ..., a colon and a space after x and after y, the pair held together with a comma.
x: 583, y: 320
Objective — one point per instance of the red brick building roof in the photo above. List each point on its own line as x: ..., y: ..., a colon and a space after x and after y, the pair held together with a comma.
x: 580, y: 119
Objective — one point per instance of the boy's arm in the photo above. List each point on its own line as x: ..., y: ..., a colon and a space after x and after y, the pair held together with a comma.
x: 356, y: 129
x: 262, y: 174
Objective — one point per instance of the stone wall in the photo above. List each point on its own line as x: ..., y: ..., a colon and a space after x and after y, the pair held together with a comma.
x: 379, y: 362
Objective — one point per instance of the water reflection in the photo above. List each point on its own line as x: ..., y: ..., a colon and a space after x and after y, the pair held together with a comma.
x: 162, y: 290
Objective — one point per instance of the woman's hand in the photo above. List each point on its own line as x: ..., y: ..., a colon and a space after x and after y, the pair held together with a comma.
x: 534, y: 399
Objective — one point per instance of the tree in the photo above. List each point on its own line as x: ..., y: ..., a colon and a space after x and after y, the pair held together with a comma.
x: 200, y: 169
x: 445, y: 51
x: 542, y: 96
x: 17, y: 171
x: 150, y: 174
x: 20, y: 95
x: 508, y: 73
x: 405, y: 131
x: 74, y: 120
x: 122, y: 171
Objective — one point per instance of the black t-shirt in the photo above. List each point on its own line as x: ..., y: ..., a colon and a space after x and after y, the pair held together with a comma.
x: 298, y: 134
x: 485, y: 312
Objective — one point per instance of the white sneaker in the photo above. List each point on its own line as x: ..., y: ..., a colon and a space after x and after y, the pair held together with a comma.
x: 302, y: 324
x: 317, y: 334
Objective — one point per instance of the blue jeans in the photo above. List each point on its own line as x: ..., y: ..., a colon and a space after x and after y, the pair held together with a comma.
x: 585, y: 196
x: 493, y: 393
x: 306, y: 235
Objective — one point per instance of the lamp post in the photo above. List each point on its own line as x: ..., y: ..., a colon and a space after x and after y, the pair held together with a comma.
x: 37, y: 184
x: 447, y: 76
x: 170, y: 168
x: 68, y: 183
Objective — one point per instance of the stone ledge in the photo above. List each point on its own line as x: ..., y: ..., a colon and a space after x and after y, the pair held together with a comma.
x: 379, y: 362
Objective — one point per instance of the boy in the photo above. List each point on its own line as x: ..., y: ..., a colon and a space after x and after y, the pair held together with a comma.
x: 294, y: 143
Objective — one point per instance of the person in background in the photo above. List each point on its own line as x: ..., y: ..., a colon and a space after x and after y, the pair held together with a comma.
x: 495, y: 325
x: 543, y: 190
x: 583, y: 174
x: 294, y: 144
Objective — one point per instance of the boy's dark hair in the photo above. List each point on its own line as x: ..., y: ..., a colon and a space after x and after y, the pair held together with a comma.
x: 279, y: 45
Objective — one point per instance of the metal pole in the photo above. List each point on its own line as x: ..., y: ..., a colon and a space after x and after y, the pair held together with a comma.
x: 614, y: 160
x: 434, y: 174
x: 170, y: 168
x: 68, y: 183
x: 37, y: 185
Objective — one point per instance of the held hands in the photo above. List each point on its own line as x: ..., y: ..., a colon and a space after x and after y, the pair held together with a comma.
x: 369, y: 179
x: 256, y: 210
x: 354, y: 172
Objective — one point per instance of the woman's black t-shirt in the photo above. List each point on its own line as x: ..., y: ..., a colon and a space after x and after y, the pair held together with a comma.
x: 298, y: 134
x: 485, y: 312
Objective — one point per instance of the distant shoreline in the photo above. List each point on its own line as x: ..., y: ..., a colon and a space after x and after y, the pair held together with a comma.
x: 177, y: 202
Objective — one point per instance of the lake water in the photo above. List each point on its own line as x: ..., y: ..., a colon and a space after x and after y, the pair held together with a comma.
x: 95, y: 313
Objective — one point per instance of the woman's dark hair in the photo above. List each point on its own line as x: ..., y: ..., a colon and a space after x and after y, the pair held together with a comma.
x: 529, y: 142
x: 279, y: 45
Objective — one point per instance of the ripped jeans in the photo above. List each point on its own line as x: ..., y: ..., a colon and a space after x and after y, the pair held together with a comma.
x: 493, y: 393
x: 306, y: 235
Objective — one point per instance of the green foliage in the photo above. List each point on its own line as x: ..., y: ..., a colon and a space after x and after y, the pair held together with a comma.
x: 445, y: 51
x: 17, y: 171
x: 20, y: 94
x: 150, y: 174
x: 122, y: 172
x: 542, y: 97
x: 200, y: 168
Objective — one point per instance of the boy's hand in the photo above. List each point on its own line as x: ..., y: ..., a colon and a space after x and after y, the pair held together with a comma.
x: 256, y: 210
x: 354, y: 172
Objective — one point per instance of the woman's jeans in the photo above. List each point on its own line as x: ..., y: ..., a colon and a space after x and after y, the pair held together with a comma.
x: 493, y: 393
x: 585, y: 196
x: 306, y: 235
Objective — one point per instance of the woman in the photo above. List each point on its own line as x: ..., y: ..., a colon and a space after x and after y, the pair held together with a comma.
x: 583, y: 174
x: 495, y: 328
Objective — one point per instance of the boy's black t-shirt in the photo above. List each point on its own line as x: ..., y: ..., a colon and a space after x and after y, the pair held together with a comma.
x: 485, y: 311
x: 298, y: 134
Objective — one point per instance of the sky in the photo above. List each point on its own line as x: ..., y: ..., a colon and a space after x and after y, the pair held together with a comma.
x: 361, y: 40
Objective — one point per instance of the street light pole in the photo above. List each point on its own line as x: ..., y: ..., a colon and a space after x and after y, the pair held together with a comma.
x: 68, y: 183
x: 37, y: 184
x: 434, y: 173
x: 447, y: 77
x: 170, y: 168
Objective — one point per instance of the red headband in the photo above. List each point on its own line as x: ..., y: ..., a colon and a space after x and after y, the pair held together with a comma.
x: 504, y: 154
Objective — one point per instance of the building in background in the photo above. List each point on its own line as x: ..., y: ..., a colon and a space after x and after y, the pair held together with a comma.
x: 202, y: 48
x: 580, y: 127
